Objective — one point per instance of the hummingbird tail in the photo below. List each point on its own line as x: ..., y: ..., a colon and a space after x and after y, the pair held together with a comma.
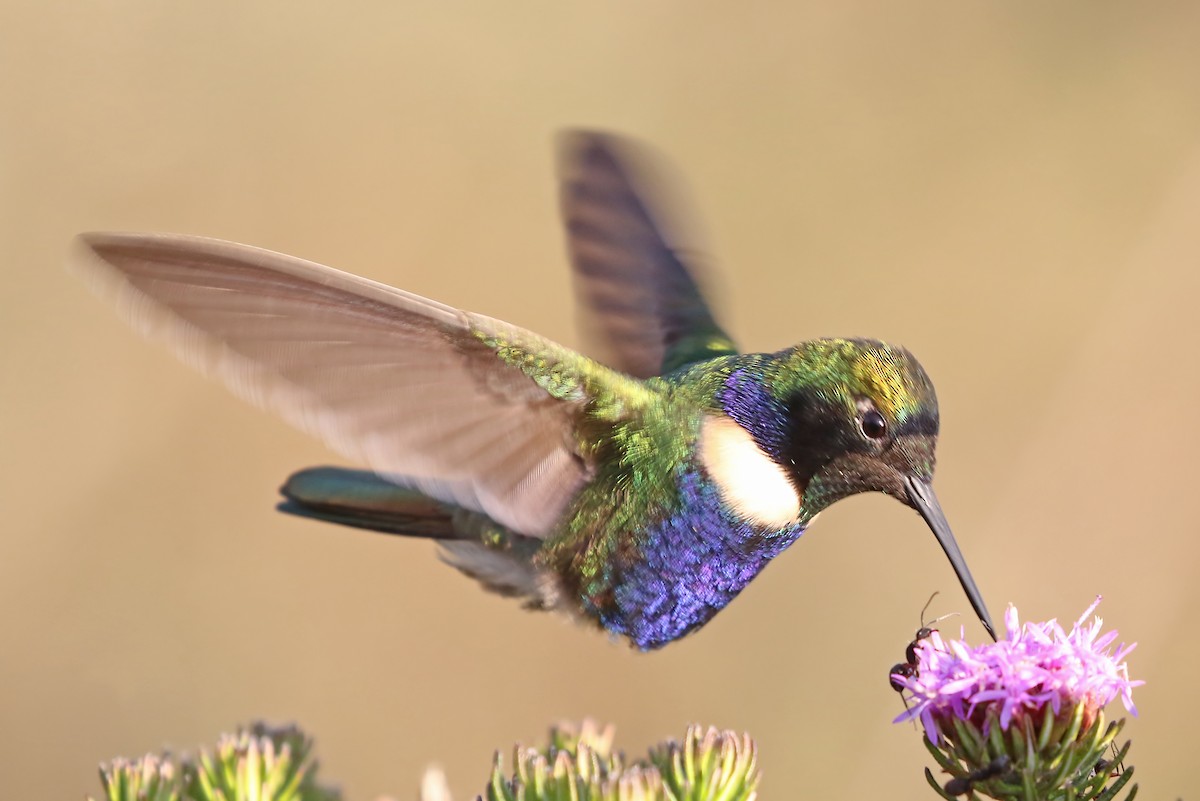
x: 500, y: 561
x: 361, y: 499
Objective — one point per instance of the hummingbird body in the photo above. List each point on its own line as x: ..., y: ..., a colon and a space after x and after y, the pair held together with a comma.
x: 642, y: 494
x: 688, y: 499
x: 655, y: 551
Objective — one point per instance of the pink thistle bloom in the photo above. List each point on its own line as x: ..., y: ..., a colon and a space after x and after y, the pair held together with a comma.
x: 1035, y: 668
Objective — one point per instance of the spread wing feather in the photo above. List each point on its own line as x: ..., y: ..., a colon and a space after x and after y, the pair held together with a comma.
x: 639, y: 298
x: 415, y: 389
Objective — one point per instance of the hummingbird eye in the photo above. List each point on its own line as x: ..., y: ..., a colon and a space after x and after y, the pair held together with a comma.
x: 873, y: 424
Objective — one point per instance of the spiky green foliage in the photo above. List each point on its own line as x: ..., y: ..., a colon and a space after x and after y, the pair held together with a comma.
x: 258, y: 763
x: 151, y: 778
x: 580, y: 765
x: 1059, y: 760
x: 708, y: 765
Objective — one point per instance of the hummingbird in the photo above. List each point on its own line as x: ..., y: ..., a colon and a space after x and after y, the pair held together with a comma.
x: 640, y: 492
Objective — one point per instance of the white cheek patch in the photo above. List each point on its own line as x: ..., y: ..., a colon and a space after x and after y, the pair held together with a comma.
x: 749, y: 481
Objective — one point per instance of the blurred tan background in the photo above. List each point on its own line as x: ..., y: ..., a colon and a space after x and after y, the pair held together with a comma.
x: 1010, y: 189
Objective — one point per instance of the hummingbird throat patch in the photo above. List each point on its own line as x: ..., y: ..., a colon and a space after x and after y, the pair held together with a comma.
x: 749, y: 481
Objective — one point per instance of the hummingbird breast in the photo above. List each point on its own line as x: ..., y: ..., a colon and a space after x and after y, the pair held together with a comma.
x: 679, y: 571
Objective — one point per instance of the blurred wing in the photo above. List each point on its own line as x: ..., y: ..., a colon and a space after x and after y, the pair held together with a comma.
x: 429, y: 396
x: 639, y: 299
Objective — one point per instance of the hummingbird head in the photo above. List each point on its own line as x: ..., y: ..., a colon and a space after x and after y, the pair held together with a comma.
x: 844, y: 416
x: 839, y: 417
x: 858, y: 416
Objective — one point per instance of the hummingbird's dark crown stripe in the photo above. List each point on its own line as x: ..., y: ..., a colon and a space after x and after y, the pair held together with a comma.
x: 923, y: 423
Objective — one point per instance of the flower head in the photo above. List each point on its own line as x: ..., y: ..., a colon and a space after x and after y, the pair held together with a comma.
x: 1036, y: 665
x: 257, y: 763
x: 581, y: 764
x: 151, y: 778
x: 1026, y: 710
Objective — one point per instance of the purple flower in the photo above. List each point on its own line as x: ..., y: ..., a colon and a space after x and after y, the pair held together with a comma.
x: 1035, y: 667
x: 1022, y: 719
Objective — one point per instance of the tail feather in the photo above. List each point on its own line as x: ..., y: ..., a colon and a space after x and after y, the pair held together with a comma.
x: 499, y: 560
x: 362, y: 499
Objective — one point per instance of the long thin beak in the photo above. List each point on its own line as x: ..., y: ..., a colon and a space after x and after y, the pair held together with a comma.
x: 926, y: 502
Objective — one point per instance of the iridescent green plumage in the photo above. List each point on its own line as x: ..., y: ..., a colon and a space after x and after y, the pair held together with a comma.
x: 642, y: 493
